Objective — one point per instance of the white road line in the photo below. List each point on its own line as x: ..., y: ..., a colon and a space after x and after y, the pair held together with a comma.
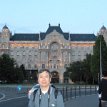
x: 3, y: 96
x: 12, y: 98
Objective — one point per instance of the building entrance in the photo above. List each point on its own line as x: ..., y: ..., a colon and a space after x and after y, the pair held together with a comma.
x: 55, y: 77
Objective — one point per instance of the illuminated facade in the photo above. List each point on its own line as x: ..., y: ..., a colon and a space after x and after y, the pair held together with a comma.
x: 53, y: 49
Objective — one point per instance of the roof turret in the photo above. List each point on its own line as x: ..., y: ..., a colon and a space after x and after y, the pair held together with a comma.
x: 103, y: 28
x: 5, y: 27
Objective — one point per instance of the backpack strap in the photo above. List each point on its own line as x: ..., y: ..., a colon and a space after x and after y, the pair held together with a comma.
x: 55, y: 92
x: 34, y: 94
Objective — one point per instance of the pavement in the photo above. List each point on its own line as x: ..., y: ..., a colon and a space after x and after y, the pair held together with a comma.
x: 83, y: 101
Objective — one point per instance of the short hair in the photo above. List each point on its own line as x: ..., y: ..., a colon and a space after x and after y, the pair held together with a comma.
x: 43, y: 70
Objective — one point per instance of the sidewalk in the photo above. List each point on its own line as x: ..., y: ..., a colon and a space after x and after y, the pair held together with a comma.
x: 83, y: 101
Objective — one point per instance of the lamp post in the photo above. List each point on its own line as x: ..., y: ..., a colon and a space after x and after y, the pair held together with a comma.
x: 100, y: 74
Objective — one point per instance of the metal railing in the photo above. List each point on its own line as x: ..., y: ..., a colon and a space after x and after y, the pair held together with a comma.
x: 77, y: 91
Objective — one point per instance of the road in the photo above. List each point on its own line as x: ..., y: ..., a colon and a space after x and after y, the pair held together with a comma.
x: 1, y: 95
x: 83, y: 101
x: 18, y: 102
x: 10, y: 97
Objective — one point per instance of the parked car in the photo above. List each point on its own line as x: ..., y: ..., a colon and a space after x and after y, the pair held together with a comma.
x: 32, y: 90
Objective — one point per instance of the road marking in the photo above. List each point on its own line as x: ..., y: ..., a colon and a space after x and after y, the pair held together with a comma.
x: 2, y: 95
x: 12, y: 98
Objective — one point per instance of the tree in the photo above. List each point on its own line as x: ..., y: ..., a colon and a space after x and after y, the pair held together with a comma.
x: 66, y: 76
x: 81, y: 70
x: 95, y: 69
x: 87, y: 68
x: 19, y: 77
x: 9, y: 71
x: 34, y: 75
x: 75, y: 71
x: 7, y: 68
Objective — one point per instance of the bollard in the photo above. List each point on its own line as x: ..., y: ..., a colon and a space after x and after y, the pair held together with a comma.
x: 66, y: 94
x: 79, y: 91
x: 85, y: 90
x: 71, y: 92
x: 95, y: 89
x: 63, y: 94
x: 90, y: 90
x: 75, y: 92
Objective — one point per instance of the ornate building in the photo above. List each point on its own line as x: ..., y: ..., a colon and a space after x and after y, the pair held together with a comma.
x: 53, y: 49
x: 103, y: 31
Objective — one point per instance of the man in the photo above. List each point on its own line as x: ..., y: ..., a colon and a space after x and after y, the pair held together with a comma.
x: 45, y: 95
x: 103, y: 90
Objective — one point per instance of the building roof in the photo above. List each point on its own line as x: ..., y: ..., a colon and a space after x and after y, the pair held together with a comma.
x: 51, y: 29
x: 42, y: 35
x: 24, y: 37
x: 67, y: 36
x: 82, y: 37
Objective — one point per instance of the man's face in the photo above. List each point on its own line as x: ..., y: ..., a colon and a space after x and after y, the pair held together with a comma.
x: 44, y: 79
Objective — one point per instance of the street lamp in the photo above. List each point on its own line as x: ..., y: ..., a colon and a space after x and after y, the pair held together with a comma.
x: 100, y: 75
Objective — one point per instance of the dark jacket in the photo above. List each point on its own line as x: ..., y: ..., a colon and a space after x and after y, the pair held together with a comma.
x: 103, y: 89
x: 44, y: 99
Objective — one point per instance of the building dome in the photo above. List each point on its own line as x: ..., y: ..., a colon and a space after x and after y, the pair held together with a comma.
x: 5, y: 27
x: 103, y: 28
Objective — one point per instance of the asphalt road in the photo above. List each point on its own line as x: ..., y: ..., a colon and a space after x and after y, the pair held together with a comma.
x: 83, y: 101
x: 14, y: 98
x: 1, y: 95
x: 18, y: 102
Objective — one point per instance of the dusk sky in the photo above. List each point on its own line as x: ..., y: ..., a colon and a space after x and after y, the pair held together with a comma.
x: 34, y: 16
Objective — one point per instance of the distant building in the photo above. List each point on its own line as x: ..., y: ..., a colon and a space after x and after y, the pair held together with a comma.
x: 103, y: 31
x: 53, y: 49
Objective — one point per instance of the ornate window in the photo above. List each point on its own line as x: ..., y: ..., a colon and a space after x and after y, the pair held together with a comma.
x: 43, y: 65
x: 54, y: 50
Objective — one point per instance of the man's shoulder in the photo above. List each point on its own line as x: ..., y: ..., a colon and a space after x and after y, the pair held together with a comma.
x: 57, y: 92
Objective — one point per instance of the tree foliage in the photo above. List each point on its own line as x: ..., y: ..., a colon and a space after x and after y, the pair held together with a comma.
x: 88, y: 69
x: 99, y: 44
x: 75, y: 71
x: 9, y: 71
